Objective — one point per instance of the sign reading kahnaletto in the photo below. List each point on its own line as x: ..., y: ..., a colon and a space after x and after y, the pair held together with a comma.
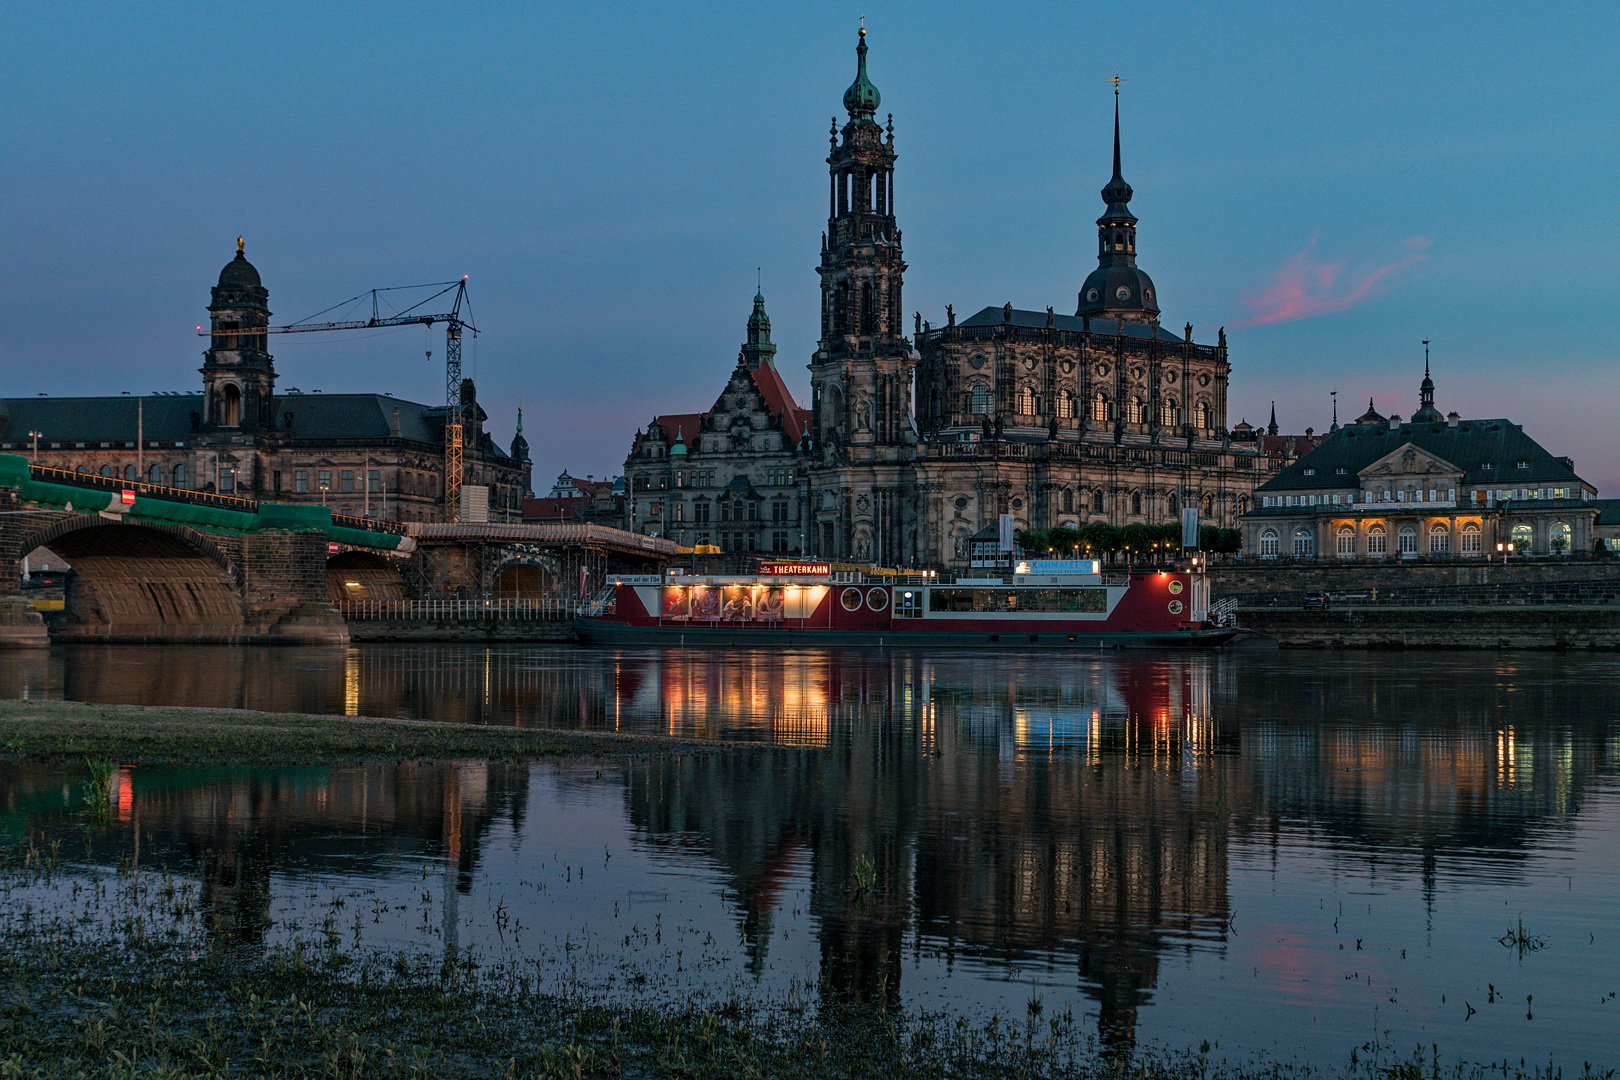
x: 785, y: 569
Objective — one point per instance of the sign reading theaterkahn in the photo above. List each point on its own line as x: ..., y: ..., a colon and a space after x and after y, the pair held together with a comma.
x: 789, y: 569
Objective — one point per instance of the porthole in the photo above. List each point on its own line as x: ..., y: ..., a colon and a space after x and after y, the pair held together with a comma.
x: 877, y: 599
x: 1175, y: 607
x: 1175, y: 587
x: 851, y: 599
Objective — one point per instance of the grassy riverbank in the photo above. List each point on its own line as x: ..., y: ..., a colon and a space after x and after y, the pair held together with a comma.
x: 163, y: 735
x: 111, y: 973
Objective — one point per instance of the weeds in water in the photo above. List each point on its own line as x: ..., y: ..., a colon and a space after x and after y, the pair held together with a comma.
x: 862, y: 878
x: 97, y: 792
x: 1522, y: 940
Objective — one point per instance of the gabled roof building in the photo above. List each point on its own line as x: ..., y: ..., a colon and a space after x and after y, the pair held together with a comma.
x: 1432, y: 487
x: 731, y: 476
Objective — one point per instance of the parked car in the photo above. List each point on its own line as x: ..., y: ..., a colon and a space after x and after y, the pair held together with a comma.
x: 1318, y: 600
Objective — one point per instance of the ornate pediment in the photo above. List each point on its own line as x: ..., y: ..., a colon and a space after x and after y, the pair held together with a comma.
x: 1409, y: 459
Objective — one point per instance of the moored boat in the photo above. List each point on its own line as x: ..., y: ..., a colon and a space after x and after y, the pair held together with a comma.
x: 1072, y: 604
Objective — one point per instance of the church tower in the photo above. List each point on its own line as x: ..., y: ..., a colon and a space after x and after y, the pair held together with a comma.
x: 861, y: 373
x: 1117, y: 289
x: 758, y: 350
x: 863, y: 441
x: 238, y: 375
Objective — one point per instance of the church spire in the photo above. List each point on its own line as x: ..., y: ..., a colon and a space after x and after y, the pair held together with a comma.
x: 862, y: 98
x: 1117, y: 288
x: 758, y: 350
x: 1426, y: 410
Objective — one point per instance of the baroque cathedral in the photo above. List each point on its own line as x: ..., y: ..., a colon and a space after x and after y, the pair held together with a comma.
x: 913, y: 445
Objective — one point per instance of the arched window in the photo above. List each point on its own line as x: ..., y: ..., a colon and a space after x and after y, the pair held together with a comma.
x: 1406, y: 540
x: 1439, y: 539
x: 154, y: 474
x: 1304, y: 543
x: 1100, y: 411
x: 106, y: 470
x: 230, y: 406
x: 1346, y: 542
x: 979, y: 400
x: 1026, y: 399
x: 1377, y: 540
x: 179, y: 476
x: 1560, y: 537
x: 1097, y: 501
x: 131, y: 474
x: 1268, y: 544
x: 1472, y: 539
x: 1523, y: 537
x: 1169, y: 414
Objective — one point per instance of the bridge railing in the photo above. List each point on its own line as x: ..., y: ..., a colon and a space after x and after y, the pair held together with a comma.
x: 513, y: 610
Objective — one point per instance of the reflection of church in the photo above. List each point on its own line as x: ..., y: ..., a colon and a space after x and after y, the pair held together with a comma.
x: 975, y: 832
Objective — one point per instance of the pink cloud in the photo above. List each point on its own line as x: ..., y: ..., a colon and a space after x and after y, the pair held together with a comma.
x: 1306, y: 285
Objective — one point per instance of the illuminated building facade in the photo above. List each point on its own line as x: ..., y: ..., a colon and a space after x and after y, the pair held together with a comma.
x: 911, y: 446
x: 1434, y: 487
x: 369, y: 455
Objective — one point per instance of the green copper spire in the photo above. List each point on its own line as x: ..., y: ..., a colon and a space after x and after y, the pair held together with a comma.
x: 758, y: 351
x: 861, y: 99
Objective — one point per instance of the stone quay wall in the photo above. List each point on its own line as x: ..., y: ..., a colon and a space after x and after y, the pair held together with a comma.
x: 1420, y: 582
x: 1526, y: 627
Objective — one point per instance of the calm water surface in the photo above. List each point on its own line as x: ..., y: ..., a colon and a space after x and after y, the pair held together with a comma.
x: 1286, y: 853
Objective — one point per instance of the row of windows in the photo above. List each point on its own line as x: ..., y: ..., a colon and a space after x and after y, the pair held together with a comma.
x: 1471, y: 540
x: 735, y: 510
x: 1387, y: 495
x: 981, y: 402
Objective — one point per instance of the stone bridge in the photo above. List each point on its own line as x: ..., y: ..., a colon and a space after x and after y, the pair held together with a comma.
x: 162, y: 564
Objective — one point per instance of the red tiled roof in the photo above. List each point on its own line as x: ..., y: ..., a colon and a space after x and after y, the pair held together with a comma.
x: 779, y: 401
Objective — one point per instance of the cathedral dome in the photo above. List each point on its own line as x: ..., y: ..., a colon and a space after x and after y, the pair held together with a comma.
x: 239, y: 273
x: 1116, y: 288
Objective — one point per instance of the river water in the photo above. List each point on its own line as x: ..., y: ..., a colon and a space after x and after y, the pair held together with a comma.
x: 1288, y: 854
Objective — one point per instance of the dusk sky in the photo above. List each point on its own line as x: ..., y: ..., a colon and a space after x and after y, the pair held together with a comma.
x: 1332, y: 182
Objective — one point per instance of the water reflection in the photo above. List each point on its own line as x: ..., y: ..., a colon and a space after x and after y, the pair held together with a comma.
x: 1028, y: 815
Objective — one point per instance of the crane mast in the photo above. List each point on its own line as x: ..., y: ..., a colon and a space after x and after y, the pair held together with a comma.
x: 455, y: 323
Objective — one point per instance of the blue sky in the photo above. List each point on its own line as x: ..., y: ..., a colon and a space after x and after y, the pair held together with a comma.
x: 1332, y: 182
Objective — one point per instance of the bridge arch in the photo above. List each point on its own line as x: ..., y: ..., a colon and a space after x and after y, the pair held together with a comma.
x: 363, y: 575
x: 146, y: 581
x: 525, y: 577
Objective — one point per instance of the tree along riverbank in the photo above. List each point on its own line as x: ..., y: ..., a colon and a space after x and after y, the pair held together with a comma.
x: 117, y: 972
x: 133, y: 735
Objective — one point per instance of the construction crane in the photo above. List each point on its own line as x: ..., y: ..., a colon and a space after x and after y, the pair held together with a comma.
x: 455, y: 324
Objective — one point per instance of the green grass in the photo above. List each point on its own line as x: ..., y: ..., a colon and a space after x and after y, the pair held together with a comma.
x: 162, y: 735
